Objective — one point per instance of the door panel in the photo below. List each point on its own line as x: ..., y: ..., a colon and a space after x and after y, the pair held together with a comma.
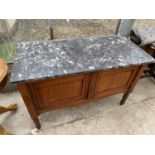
x: 56, y: 92
x: 110, y: 82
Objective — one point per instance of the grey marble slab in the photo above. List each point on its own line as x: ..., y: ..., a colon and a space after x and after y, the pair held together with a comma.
x: 44, y: 59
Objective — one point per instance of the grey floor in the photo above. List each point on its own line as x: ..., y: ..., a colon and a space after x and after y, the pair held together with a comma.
x: 105, y: 116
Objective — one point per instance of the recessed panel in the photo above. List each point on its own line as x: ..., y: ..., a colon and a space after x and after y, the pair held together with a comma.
x: 55, y: 93
x: 111, y: 81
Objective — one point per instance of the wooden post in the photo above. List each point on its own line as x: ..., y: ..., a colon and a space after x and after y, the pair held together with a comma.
x: 51, y: 29
x: 124, y: 27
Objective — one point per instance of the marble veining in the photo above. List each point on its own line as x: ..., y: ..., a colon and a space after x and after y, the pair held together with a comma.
x: 44, y: 59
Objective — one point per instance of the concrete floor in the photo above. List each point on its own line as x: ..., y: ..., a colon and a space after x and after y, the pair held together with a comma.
x: 105, y: 116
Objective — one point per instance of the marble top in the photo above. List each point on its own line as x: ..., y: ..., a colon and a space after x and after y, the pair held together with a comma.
x: 44, y: 59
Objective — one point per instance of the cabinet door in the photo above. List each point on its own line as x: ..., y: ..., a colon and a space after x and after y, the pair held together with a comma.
x: 56, y: 93
x: 111, y: 82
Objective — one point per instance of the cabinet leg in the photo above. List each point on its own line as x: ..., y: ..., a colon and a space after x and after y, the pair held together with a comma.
x: 125, y: 96
x: 37, y: 123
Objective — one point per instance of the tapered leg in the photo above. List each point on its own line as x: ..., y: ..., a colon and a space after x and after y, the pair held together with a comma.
x: 125, y: 96
x: 25, y: 92
x: 37, y: 123
x: 138, y: 74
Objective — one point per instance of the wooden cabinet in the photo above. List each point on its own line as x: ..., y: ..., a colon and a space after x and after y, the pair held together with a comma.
x: 60, y: 92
